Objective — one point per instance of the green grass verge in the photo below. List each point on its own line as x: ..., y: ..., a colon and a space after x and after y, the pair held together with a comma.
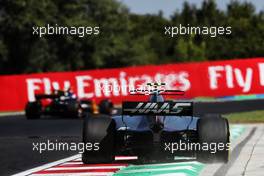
x: 246, y: 117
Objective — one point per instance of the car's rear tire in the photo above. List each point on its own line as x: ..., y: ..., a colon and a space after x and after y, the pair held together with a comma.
x: 213, y: 130
x: 33, y: 110
x: 99, y: 130
x: 74, y: 109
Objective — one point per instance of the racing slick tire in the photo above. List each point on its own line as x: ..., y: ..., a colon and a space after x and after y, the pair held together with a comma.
x: 99, y: 131
x: 74, y: 109
x: 33, y: 110
x: 213, y: 130
x: 105, y: 106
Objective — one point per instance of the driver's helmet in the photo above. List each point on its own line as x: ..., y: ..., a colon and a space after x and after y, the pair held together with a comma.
x: 69, y: 93
x: 156, y: 98
x: 159, y: 120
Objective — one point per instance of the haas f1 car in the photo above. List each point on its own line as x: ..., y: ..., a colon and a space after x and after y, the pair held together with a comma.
x: 155, y: 130
x: 64, y: 104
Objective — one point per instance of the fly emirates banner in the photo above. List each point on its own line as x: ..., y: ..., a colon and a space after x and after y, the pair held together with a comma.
x: 209, y: 79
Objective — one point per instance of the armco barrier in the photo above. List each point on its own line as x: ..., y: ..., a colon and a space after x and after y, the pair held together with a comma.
x: 227, y: 106
x: 208, y: 79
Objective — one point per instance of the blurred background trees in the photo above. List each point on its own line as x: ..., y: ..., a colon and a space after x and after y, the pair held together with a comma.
x: 125, y: 39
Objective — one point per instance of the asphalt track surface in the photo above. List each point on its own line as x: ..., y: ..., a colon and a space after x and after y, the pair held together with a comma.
x: 17, y: 135
x: 16, y: 151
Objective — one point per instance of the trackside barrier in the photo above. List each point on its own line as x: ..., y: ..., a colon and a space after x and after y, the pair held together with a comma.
x: 228, y: 106
x: 203, y: 79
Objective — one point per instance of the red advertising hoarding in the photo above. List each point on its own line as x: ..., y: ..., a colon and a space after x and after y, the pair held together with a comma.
x: 210, y: 79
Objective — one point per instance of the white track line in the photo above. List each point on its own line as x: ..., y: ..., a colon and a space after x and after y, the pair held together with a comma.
x: 118, y: 158
x: 2, y: 114
x: 84, y: 168
x: 71, y: 163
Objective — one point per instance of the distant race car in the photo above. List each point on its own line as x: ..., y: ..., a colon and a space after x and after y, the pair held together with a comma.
x: 64, y: 104
x: 154, y: 130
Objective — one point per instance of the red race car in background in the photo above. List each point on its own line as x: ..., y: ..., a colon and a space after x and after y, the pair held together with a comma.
x: 64, y: 104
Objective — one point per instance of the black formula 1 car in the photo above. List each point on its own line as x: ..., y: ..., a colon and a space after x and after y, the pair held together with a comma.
x: 64, y: 104
x: 157, y: 130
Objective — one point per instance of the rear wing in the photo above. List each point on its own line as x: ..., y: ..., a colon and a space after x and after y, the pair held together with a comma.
x: 159, y: 92
x: 167, y: 108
